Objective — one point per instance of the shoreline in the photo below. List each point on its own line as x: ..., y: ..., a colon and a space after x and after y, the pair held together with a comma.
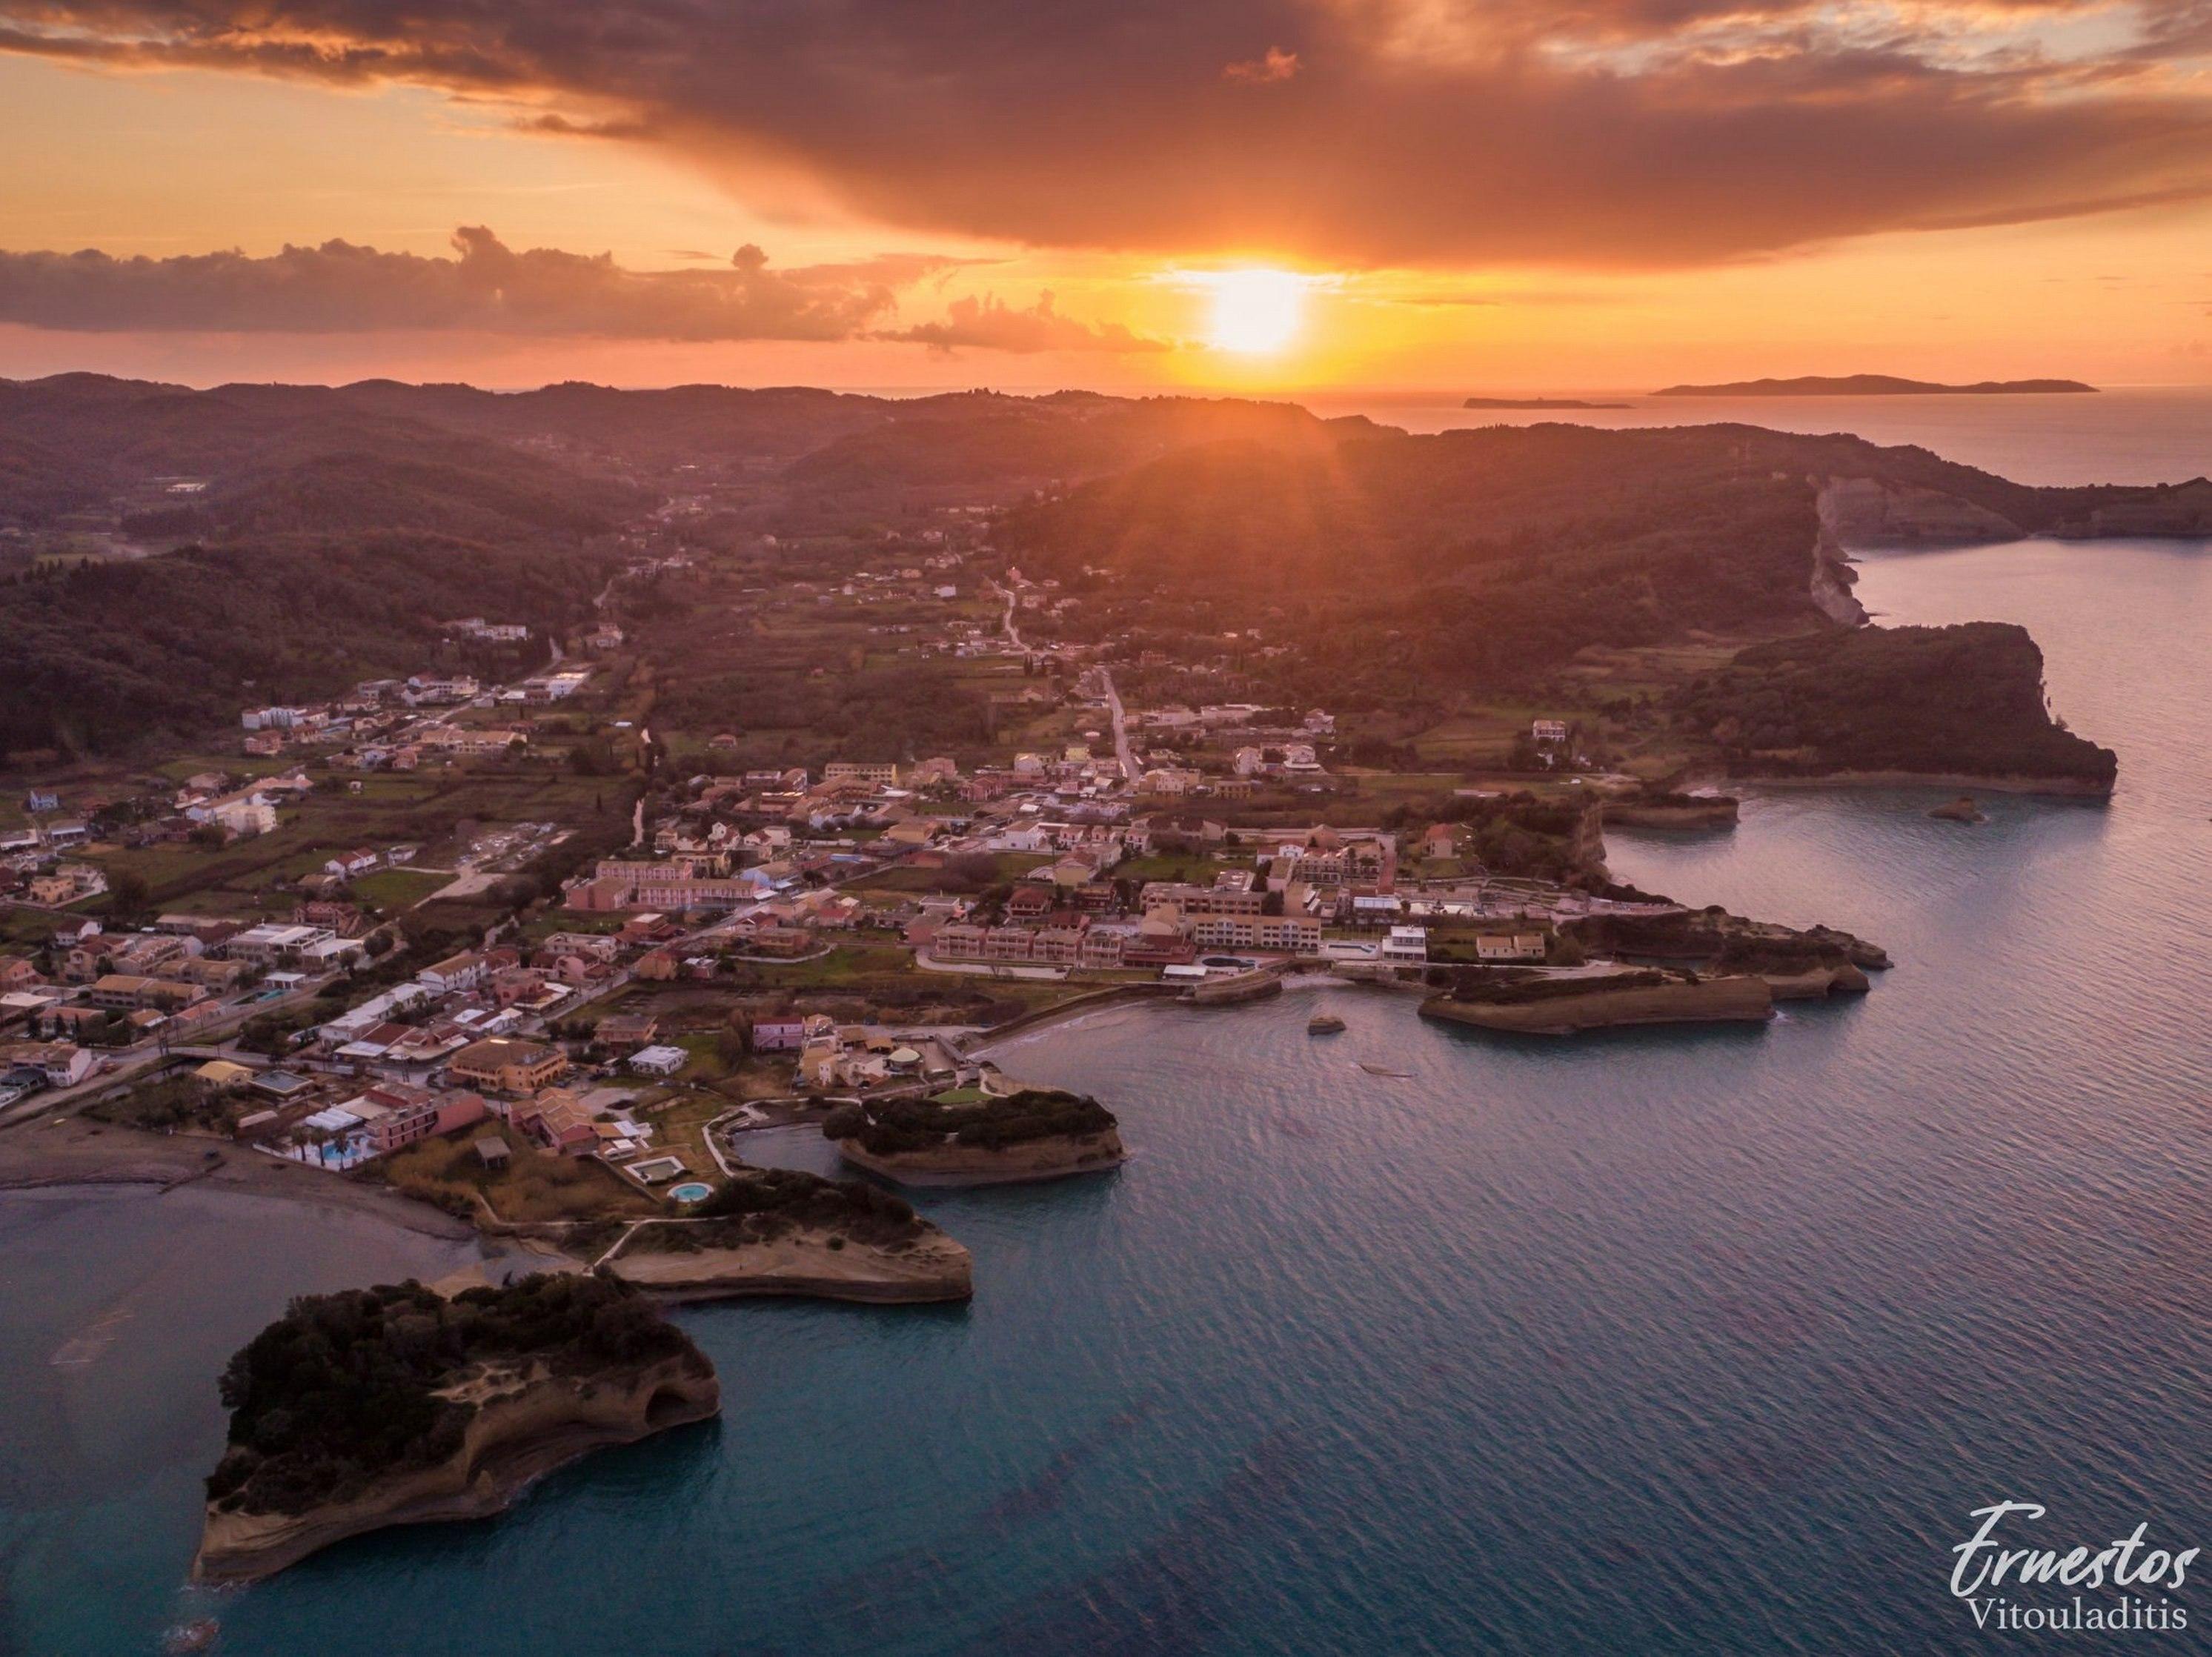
x: 74, y: 1152
x: 1951, y: 781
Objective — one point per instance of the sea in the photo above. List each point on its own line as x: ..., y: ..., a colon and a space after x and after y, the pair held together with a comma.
x: 1407, y: 1340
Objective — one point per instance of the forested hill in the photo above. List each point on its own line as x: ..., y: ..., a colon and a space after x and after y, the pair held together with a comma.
x: 1383, y: 503
x: 75, y: 440
x: 1929, y: 701
x: 104, y: 657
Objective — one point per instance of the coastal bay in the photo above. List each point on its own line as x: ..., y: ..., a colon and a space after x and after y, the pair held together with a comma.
x: 1545, y: 1299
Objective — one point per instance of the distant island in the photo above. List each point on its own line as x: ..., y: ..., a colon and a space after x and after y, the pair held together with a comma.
x: 1537, y: 403
x: 1872, y: 385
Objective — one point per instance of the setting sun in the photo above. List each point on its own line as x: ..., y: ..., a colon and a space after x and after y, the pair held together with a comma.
x: 1255, y: 312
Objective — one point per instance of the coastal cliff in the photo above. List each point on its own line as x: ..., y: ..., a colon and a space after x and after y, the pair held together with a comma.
x: 953, y: 1164
x: 1713, y: 940
x: 395, y: 1406
x: 810, y: 1264
x: 526, y: 1423
x: 1870, y: 512
x: 1960, y: 705
x: 1672, y: 811
x: 1566, y: 1006
x: 971, y: 1137
x: 782, y: 1231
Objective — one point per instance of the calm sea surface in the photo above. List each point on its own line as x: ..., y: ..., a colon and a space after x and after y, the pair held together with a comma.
x: 1656, y: 1343
x: 2126, y: 435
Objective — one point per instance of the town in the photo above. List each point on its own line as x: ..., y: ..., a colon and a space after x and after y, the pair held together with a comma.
x: 288, y: 950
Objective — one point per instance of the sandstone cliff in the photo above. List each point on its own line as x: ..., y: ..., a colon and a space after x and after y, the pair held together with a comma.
x: 804, y: 1263
x: 1599, y: 1003
x: 954, y: 1164
x: 1869, y: 511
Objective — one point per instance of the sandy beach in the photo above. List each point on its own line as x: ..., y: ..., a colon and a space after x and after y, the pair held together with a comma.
x: 73, y: 1151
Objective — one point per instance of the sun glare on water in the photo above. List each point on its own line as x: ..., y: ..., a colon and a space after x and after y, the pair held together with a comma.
x: 1255, y: 312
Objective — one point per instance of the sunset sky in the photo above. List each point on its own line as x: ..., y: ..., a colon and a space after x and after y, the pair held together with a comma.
x: 1513, y: 195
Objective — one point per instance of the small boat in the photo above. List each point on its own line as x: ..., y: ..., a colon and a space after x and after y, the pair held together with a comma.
x: 191, y: 1637
x: 1323, y: 1023
x: 1378, y: 1069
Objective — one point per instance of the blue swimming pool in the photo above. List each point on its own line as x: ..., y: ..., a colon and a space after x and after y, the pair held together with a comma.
x: 691, y: 1192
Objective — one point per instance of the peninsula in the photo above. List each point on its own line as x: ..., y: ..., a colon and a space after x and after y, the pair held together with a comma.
x: 969, y: 1136
x: 1680, y: 967
x: 392, y: 1406
x: 1872, y: 385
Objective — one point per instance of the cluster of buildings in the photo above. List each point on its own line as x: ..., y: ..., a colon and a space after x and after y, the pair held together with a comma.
x: 396, y: 724
x: 834, y: 1057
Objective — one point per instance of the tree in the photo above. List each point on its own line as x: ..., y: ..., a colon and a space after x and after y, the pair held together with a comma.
x: 128, y: 894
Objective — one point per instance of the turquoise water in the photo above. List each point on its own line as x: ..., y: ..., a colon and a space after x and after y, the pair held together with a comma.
x: 1664, y: 1343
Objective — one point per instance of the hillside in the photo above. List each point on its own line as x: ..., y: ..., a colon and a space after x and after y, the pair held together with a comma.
x: 1964, y: 701
x: 101, y: 657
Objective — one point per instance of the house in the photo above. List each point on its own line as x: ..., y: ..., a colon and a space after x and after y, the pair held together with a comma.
x: 347, y: 864
x: 58, y: 1064
x: 345, y: 919
x: 506, y: 1065
x: 559, y: 1120
x: 273, y: 942
x: 464, y: 971
x: 397, y: 1115
x: 1407, y: 946
x: 121, y: 992
x: 1505, y: 947
x: 626, y: 1031
x: 658, y: 1060
x: 779, y: 1035
x: 597, y: 946
x: 882, y: 775
x: 657, y: 966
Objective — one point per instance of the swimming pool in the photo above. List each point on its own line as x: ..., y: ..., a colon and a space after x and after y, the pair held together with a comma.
x: 691, y: 1191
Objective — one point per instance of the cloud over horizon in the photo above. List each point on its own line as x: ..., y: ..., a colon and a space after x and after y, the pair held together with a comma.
x: 1361, y: 133
x: 342, y: 288
x: 989, y: 323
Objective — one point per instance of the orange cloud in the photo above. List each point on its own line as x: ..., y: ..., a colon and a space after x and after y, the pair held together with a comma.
x: 991, y: 324
x: 1600, y: 133
x: 1275, y: 65
x: 486, y: 287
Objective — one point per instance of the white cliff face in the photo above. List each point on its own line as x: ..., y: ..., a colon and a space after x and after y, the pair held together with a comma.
x: 1866, y: 512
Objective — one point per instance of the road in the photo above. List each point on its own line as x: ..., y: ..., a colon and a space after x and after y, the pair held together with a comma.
x: 1014, y: 633
x: 1121, y: 748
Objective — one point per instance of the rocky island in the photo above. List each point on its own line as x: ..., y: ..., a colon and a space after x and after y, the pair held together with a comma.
x: 970, y: 1137
x: 1537, y: 403
x: 1875, y: 385
x: 783, y: 1231
x: 393, y: 1405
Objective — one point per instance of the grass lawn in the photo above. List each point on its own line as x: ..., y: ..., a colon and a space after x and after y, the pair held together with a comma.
x: 1194, y: 868
x: 536, y: 1185
x: 393, y: 890
x: 431, y: 809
